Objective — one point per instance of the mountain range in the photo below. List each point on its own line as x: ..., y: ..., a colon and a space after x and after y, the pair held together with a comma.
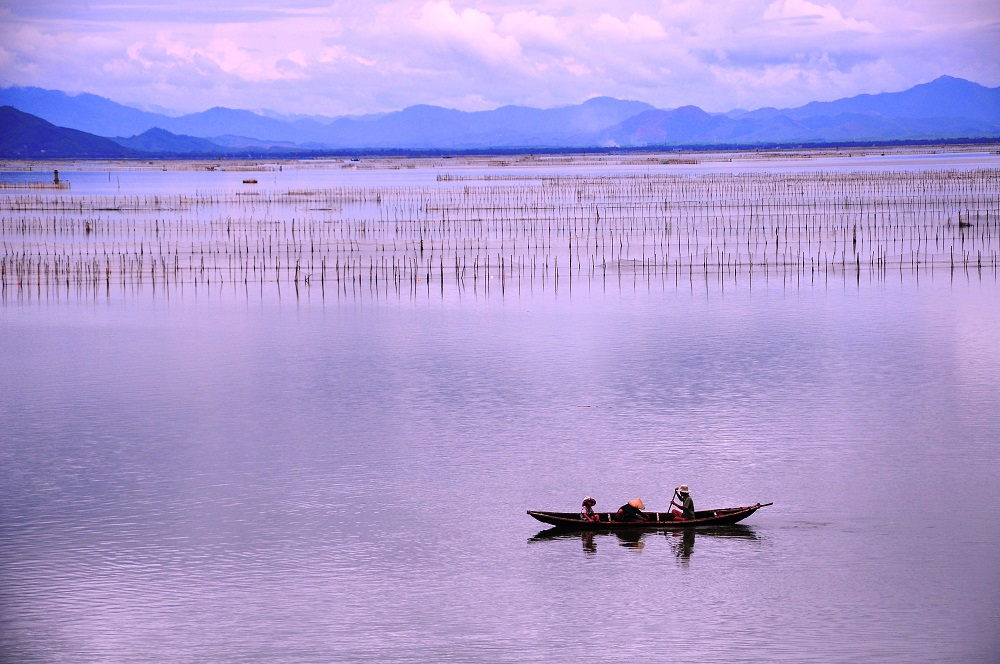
x: 946, y: 108
x: 25, y: 136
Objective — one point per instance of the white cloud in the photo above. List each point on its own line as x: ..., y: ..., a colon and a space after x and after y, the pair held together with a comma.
x: 376, y: 56
x: 469, y: 32
x: 807, y: 15
x: 534, y: 30
x: 638, y: 28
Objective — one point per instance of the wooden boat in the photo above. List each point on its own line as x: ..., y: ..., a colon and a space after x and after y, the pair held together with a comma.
x: 654, y: 520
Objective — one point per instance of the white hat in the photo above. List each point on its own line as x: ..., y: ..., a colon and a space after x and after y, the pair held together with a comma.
x: 683, y: 489
x: 637, y: 503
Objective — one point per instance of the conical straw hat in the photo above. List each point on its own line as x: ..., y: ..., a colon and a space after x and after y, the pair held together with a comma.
x: 637, y: 503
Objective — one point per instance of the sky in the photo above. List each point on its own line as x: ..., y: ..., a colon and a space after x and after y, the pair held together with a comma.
x: 334, y: 58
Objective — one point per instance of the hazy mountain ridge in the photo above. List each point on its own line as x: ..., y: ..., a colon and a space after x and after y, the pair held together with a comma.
x: 25, y: 136
x: 692, y: 126
x: 161, y: 140
x: 84, y: 112
x: 945, y: 108
x: 419, y: 126
x: 944, y: 97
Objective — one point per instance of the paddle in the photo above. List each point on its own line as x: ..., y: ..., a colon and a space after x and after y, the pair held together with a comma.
x: 676, y: 495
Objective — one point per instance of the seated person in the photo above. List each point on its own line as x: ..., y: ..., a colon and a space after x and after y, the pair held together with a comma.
x: 686, y: 504
x: 631, y: 511
x: 588, y: 513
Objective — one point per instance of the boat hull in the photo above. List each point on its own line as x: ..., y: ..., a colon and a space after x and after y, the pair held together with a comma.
x: 654, y: 520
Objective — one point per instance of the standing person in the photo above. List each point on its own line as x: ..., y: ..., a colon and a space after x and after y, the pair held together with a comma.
x: 588, y: 513
x: 686, y: 504
x: 631, y: 511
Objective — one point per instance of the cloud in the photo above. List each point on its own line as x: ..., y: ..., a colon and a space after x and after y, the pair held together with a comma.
x: 638, y: 27
x: 802, y: 14
x: 467, y: 33
x: 332, y: 57
x: 536, y: 31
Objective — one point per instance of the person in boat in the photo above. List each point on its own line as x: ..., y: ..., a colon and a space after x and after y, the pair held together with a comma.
x: 686, y: 505
x: 631, y: 511
x: 588, y: 513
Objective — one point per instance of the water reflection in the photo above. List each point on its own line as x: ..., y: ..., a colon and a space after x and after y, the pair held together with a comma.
x: 681, y: 541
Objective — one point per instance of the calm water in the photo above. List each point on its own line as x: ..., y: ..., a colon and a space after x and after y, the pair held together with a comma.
x: 216, y: 476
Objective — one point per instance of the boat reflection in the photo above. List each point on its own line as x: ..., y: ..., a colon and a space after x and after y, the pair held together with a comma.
x: 681, y: 541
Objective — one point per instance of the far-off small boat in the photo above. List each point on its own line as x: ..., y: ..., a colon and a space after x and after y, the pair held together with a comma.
x: 654, y: 520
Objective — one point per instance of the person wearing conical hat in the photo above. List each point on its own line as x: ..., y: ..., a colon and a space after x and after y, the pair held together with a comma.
x: 631, y: 511
x: 588, y: 513
x: 687, y: 505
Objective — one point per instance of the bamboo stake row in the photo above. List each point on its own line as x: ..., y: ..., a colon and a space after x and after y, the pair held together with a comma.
x: 522, y: 230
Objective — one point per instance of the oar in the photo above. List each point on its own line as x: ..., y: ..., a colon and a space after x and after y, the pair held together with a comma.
x: 672, y: 503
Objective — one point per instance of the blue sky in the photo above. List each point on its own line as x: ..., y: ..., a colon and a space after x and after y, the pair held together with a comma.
x: 335, y: 58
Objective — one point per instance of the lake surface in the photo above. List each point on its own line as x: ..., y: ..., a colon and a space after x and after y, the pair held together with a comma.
x: 236, y: 469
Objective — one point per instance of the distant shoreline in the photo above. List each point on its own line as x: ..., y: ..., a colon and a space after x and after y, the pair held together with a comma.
x: 513, y: 157
x: 672, y: 151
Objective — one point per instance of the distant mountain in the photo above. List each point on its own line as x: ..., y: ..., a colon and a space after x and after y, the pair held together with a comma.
x: 942, y: 109
x: 97, y: 115
x: 945, y: 108
x: 414, y: 127
x: 692, y: 126
x: 509, y: 126
x: 944, y: 97
x: 86, y: 112
x: 687, y: 124
x: 219, y: 121
x: 24, y: 136
x: 240, y: 142
x: 162, y: 141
